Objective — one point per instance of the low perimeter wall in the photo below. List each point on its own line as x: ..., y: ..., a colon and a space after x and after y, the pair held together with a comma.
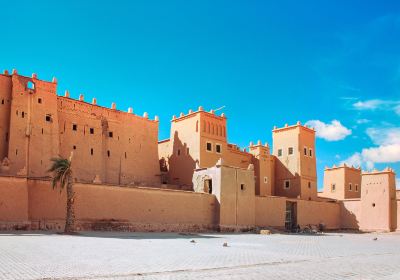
x: 101, y: 207
x: 270, y: 211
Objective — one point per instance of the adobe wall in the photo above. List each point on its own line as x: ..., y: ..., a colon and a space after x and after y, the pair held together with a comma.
x: 118, y: 147
x: 270, y: 211
x: 5, y: 107
x: 398, y: 215
x: 315, y: 212
x: 13, y: 202
x: 350, y: 213
x: 101, y: 207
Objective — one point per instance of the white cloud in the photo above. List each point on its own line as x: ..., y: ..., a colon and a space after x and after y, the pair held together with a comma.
x: 333, y: 131
x: 378, y: 104
x: 382, y: 154
x: 368, y: 104
x: 355, y: 160
x: 387, y: 150
x: 363, y: 121
x: 384, y: 136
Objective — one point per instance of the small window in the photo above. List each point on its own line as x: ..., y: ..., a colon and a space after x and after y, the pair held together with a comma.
x: 310, y: 153
x: 74, y: 127
x: 373, y: 204
x: 23, y: 115
x: 74, y: 147
x: 350, y: 187
x: 16, y: 152
x: 218, y: 148
x: 91, y: 151
x: 2, y: 102
x: 356, y: 186
x: 286, y: 184
x: 108, y: 153
x: 290, y: 151
x: 91, y: 130
x: 265, y: 180
x: 309, y: 185
x: 333, y: 187
x: 110, y: 134
x: 242, y: 187
x: 48, y: 118
x: 209, y: 146
x: 39, y: 100
x: 125, y: 155
x: 179, y: 152
x: 279, y: 152
x: 305, y: 151
x: 187, y: 151
x: 30, y: 85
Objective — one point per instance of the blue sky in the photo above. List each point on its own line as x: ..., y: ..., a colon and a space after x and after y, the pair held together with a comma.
x: 334, y: 63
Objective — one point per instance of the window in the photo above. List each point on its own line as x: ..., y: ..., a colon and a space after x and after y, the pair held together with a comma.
x: 23, y: 115
x: 39, y: 100
x: 187, y: 151
x: 279, y: 152
x: 356, y: 186
x: 108, y: 153
x: 265, y: 180
x: 74, y: 147
x: 2, y: 102
x: 48, y: 118
x: 179, y: 152
x: 16, y: 152
x: 286, y: 184
x: 75, y: 127
x: 305, y: 151
x: 290, y: 151
x: 30, y: 85
x: 373, y: 204
x: 197, y: 126
x: 218, y: 148
x: 350, y: 187
x: 125, y: 155
x: 91, y: 130
x: 309, y: 185
x: 310, y: 153
x: 91, y: 151
x: 242, y: 187
x: 209, y: 147
x: 110, y: 134
x: 333, y: 187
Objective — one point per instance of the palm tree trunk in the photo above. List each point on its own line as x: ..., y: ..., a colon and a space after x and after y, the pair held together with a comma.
x: 69, y: 221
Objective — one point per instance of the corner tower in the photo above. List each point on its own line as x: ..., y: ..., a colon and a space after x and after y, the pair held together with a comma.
x: 295, y: 168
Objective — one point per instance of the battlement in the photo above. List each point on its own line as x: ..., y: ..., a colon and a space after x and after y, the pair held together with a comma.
x: 192, y: 113
x: 387, y: 170
x: 289, y: 127
x: 343, y: 165
x: 34, y: 76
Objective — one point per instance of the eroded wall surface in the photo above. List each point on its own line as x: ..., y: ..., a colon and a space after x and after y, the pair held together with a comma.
x: 108, y: 207
x: 13, y: 201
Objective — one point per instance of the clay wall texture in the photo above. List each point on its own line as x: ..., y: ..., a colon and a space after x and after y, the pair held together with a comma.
x: 103, y: 207
x: 36, y: 125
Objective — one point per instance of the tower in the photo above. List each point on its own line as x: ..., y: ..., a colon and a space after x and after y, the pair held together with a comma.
x: 295, y: 168
x: 378, y: 201
x: 264, y: 165
x: 342, y: 182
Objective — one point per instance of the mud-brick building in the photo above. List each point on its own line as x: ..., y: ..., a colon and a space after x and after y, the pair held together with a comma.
x: 109, y: 146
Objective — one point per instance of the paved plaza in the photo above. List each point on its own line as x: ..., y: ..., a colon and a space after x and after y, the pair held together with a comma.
x: 101, y: 255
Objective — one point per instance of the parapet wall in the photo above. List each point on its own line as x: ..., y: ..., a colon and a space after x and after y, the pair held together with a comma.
x: 270, y: 211
x: 102, y: 207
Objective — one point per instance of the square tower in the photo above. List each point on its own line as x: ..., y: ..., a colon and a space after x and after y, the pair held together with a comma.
x: 342, y: 182
x: 378, y: 201
x: 295, y: 168
x: 264, y: 164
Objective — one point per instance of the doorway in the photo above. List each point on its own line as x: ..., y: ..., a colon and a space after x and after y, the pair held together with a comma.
x: 291, y: 215
x: 208, y: 186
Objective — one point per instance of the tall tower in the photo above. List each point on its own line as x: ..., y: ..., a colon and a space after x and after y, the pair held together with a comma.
x: 295, y: 168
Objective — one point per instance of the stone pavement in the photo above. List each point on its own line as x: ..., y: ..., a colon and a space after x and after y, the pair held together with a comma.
x: 96, y: 255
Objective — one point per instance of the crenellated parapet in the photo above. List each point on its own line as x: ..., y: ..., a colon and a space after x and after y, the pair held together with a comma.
x: 297, y: 125
x: 200, y: 110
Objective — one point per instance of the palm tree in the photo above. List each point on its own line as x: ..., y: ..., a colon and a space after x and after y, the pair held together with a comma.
x: 62, y: 176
